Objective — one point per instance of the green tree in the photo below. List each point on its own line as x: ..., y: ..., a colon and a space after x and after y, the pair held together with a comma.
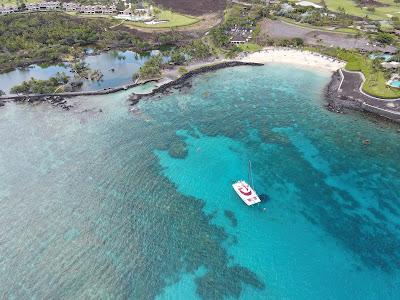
x: 177, y: 57
x: 298, y: 42
x: 198, y: 50
x: 151, y: 68
x: 384, y: 38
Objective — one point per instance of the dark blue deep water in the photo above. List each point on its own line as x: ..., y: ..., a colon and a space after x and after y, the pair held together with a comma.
x: 119, y: 204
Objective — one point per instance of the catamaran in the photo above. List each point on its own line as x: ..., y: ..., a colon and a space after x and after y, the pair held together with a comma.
x: 245, y: 191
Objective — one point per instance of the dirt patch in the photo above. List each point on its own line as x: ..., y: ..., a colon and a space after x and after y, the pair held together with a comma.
x: 194, y: 8
x: 281, y: 30
x: 363, y: 3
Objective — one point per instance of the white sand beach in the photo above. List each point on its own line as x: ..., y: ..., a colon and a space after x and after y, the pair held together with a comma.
x: 293, y: 56
x: 302, y: 58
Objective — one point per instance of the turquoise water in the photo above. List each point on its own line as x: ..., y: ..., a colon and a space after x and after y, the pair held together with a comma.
x: 138, y: 204
x: 117, y: 68
x: 395, y: 83
x: 385, y: 57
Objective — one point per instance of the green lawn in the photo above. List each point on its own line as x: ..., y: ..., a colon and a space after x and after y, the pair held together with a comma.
x: 375, y: 81
x: 249, y: 47
x: 174, y: 20
x: 351, y: 8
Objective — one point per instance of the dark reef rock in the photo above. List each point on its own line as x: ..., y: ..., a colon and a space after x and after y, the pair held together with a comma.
x: 54, y: 100
x: 183, y: 82
x: 343, y: 92
x: 337, y: 101
x: 178, y: 150
x: 227, y: 283
x: 231, y: 216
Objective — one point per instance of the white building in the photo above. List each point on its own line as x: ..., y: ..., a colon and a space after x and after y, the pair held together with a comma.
x: 43, y: 6
x: 71, y: 6
x: 8, y: 10
x: 308, y: 3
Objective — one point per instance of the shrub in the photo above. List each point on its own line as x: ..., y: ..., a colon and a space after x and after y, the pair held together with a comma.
x: 151, y: 68
x: 182, y: 70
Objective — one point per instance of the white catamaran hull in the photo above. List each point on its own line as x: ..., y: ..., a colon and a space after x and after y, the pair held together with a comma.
x: 246, y: 193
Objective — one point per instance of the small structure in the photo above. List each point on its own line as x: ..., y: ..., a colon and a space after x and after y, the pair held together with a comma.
x: 240, y: 35
x: 139, y: 8
x: 391, y: 65
x: 98, y: 9
x: 365, y: 26
x: 53, y: 5
x: 271, y: 2
x: 239, y: 39
x: 69, y: 6
x: 309, y: 4
x: 126, y: 12
x: 8, y: 10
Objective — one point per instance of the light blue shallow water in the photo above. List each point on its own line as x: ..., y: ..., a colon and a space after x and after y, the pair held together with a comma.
x: 395, y: 83
x: 385, y: 57
x: 139, y: 205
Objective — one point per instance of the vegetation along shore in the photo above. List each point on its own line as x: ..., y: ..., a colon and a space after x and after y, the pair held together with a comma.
x: 313, y: 34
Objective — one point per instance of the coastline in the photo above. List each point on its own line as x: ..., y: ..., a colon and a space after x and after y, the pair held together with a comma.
x: 182, y: 80
x: 315, y: 61
x: 342, y: 92
x: 338, y: 98
x: 303, y: 58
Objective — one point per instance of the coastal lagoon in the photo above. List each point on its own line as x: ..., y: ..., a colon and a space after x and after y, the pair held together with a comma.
x: 116, y: 66
x: 107, y: 202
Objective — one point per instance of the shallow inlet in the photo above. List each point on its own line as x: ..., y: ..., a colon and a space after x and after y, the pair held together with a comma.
x: 139, y: 204
x: 116, y: 66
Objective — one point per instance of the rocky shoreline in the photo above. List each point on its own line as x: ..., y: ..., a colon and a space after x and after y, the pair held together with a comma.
x: 59, y: 99
x: 183, y: 80
x: 337, y: 103
x: 56, y: 101
x: 344, y: 92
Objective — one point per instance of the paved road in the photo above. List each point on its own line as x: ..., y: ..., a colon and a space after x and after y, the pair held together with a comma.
x: 350, y: 88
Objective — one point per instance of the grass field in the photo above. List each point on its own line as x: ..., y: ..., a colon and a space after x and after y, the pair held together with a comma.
x: 174, y: 20
x: 249, y: 47
x: 351, y: 8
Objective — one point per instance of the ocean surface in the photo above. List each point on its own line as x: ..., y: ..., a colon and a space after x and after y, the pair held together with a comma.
x: 106, y: 202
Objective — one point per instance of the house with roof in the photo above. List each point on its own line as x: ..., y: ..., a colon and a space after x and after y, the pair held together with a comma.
x: 43, y: 6
x: 238, y: 39
x: 69, y: 6
x: 98, y: 9
x: 139, y: 8
x: 8, y: 10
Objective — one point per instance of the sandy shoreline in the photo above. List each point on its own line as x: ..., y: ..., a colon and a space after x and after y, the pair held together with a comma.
x: 295, y: 57
x: 302, y: 58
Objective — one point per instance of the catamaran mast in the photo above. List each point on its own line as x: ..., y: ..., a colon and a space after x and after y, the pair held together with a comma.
x: 251, y: 175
